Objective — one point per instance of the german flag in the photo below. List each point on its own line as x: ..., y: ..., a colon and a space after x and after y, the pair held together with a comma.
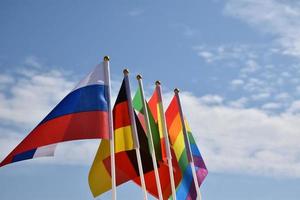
x: 125, y: 155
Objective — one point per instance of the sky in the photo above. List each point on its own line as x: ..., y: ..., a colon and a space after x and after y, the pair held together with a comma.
x: 236, y: 63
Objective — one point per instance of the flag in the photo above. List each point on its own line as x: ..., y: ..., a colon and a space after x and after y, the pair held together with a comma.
x: 82, y: 114
x: 137, y: 103
x: 186, y: 189
x: 155, y: 106
x: 125, y: 155
x: 163, y: 168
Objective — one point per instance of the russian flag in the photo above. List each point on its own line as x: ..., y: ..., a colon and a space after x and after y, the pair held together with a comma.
x: 82, y: 114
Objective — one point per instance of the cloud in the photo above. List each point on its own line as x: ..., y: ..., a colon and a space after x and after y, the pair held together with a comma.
x: 271, y: 106
x: 237, y: 82
x: 224, y: 52
x: 239, y: 103
x: 211, y: 99
x: 295, y: 107
x: 32, y: 61
x: 278, y: 18
x: 206, y: 55
x: 29, y: 98
x: 260, y: 96
x: 238, y: 140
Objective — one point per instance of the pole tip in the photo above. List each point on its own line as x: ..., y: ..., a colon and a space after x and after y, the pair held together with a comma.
x: 125, y: 71
x: 139, y: 77
x: 106, y: 58
x: 176, y: 90
x: 157, y: 83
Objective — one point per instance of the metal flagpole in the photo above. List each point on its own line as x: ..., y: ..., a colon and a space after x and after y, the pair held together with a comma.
x: 135, y: 134
x: 167, y: 143
x: 149, y: 133
x: 187, y: 144
x: 111, y: 129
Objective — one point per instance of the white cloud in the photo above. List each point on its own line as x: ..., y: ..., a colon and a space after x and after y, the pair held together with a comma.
x: 271, y: 106
x: 224, y: 52
x: 237, y: 82
x: 251, y: 66
x: 294, y: 107
x: 211, y: 99
x: 260, y: 96
x: 29, y: 98
x: 239, y: 103
x: 279, y: 18
x: 206, y: 55
x: 32, y: 61
x: 239, y: 140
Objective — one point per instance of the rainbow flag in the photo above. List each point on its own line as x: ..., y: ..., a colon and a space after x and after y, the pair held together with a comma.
x: 82, y: 114
x: 186, y: 189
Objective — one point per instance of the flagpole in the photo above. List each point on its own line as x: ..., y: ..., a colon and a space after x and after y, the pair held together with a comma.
x: 111, y: 129
x: 167, y: 143
x: 149, y: 133
x: 187, y: 144
x: 135, y: 135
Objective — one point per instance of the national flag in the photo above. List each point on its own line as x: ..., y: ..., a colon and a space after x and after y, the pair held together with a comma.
x: 138, y: 106
x: 125, y: 155
x: 155, y: 106
x: 186, y: 189
x: 82, y: 114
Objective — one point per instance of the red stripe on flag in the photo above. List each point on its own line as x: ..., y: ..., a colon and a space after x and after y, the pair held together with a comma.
x: 153, y: 105
x: 127, y: 171
x: 121, y: 115
x: 76, y: 126
x: 171, y: 112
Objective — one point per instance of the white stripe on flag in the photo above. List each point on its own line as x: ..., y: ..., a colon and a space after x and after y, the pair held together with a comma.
x: 95, y: 77
x: 45, y: 151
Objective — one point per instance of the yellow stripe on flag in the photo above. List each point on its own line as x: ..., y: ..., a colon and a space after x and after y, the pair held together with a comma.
x: 123, y: 139
x: 99, y: 177
x: 179, y: 145
x: 160, y: 121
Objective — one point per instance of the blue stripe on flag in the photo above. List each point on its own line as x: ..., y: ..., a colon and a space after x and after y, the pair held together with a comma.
x: 24, y: 156
x: 195, y: 150
x: 88, y: 98
x: 183, y: 189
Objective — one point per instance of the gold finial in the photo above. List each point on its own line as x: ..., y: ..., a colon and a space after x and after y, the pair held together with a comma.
x: 157, y: 83
x: 176, y: 90
x: 106, y: 58
x: 139, y: 77
x: 125, y: 71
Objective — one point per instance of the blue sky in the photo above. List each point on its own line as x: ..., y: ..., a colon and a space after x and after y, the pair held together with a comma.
x: 235, y: 61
